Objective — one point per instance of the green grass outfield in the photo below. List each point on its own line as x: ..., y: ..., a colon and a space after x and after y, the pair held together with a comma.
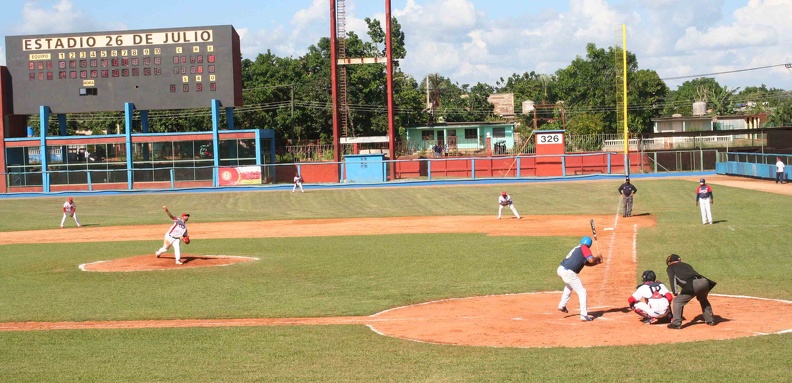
x: 747, y: 252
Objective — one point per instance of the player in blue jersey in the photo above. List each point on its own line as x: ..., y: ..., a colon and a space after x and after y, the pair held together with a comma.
x: 569, y: 269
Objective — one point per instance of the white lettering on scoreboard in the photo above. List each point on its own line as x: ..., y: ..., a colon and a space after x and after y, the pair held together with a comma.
x: 550, y: 138
x: 120, y: 40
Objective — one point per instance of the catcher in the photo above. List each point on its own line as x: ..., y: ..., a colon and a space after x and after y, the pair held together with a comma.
x: 506, y: 200
x: 174, y: 236
x: 652, y: 299
x: 69, y: 210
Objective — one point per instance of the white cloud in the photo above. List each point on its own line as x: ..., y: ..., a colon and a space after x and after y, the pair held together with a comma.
x: 317, y: 11
x: 60, y: 18
x: 2, y: 56
x: 736, y: 36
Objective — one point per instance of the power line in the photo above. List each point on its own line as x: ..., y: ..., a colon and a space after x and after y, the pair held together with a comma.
x: 726, y: 72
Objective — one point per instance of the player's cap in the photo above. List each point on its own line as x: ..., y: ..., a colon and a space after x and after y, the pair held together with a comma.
x: 503, y: 194
x: 627, y: 179
x: 701, y: 181
x: 673, y: 258
x: 185, y: 215
x: 71, y: 199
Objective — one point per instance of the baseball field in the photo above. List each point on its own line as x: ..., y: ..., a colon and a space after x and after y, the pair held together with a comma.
x: 403, y: 284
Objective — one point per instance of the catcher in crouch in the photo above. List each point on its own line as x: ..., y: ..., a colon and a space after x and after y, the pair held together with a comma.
x: 506, y: 200
x: 175, y: 235
x: 652, y: 299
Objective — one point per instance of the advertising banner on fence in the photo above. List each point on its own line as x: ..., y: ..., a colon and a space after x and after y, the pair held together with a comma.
x: 241, y: 175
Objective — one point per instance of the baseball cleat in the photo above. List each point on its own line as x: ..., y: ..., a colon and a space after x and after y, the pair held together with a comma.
x: 675, y: 325
x: 586, y: 318
x: 710, y: 323
x: 563, y: 309
x: 179, y: 263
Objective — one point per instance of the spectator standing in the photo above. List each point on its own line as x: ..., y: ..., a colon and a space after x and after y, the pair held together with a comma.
x: 780, y: 171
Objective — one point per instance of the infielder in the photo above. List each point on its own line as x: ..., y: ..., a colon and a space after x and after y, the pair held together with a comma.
x: 578, y: 257
x: 506, y: 200
x: 298, y: 181
x: 652, y: 299
x: 627, y: 190
x: 704, y: 199
x: 175, y: 235
x: 70, y: 210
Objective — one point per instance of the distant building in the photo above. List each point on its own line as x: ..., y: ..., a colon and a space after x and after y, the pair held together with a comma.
x: 461, y: 136
x: 708, y: 123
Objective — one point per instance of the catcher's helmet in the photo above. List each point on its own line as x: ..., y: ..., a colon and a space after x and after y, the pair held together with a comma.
x: 503, y: 194
x: 673, y: 258
x: 702, y: 181
x: 586, y: 241
x: 648, y: 276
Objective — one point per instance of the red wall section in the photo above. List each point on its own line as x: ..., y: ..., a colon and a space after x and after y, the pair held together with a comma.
x: 311, y: 173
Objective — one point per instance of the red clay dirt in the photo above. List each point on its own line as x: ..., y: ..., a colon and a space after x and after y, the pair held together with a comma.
x: 515, y: 320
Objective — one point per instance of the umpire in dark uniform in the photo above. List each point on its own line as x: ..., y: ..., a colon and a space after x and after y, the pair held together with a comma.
x: 686, y: 284
x: 627, y: 190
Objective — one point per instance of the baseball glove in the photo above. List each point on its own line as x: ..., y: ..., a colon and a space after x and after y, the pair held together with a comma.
x: 186, y: 240
x: 71, y: 215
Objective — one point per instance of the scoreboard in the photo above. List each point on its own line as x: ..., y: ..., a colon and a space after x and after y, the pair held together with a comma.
x: 176, y: 68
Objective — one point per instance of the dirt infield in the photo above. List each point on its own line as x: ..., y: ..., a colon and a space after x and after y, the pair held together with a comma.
x: 517, y: 320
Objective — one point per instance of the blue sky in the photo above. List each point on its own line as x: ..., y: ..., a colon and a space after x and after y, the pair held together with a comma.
x: 473, y: 41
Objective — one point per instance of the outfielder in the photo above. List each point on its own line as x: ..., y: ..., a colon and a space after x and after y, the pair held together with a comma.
x: 578, y: 257
x: 298, y: 181
x: 651, y: 300
x: 175, y: 235
x: 506, y: 200
x: 704, y: 199
x: 70, y: 210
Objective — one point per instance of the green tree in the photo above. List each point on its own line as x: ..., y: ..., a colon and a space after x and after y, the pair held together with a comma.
x: 645, y: 93
x: 680, y: 101
x: 781, y: 114
x: 591, y: 85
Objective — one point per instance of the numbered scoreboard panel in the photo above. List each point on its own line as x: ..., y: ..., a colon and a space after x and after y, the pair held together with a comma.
x: 176, y: 68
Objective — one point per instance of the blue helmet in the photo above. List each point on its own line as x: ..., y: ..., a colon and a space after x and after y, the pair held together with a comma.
x: 586, y: 241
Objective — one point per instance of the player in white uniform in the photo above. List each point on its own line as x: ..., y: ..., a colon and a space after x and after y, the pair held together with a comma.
x: 70, y: 210
x: 506, y: 200
x: 652, y: 299
x: 298, y: 181
x: 174, y: 235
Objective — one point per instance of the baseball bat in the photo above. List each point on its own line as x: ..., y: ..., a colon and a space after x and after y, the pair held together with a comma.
x: 594, y: 233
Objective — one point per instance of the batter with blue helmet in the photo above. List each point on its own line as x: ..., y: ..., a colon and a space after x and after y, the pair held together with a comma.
x: 569, y: 269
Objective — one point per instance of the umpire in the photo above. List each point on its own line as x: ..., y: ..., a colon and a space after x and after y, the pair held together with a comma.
x: 627, y: 190
x: 686, y: 284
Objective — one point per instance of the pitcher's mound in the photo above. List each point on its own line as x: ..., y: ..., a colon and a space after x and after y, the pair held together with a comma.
x: 151, y: 262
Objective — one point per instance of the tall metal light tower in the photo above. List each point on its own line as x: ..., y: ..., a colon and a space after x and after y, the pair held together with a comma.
x: 338, y: 79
